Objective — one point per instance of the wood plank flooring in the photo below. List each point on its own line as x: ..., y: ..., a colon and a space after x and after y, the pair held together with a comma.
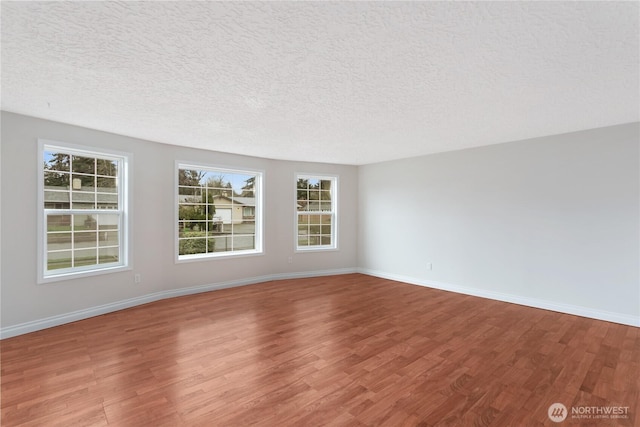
x: 349, y: 350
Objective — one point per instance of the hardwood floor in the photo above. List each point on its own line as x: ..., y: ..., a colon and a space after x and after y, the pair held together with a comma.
x: 348, y: 350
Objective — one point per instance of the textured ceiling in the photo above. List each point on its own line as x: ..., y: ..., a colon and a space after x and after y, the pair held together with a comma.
x: 339, y: 82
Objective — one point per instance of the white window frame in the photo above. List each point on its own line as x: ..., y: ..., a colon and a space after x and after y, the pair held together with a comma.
x: 125, y: 161
x: 334, y: 212
x: 258, y: 220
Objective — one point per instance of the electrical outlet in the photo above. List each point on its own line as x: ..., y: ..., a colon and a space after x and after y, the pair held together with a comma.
x: 429, y: 266
x: 137, y: 278
x: 290, y: 260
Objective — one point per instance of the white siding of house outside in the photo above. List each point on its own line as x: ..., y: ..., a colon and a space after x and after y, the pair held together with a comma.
x: 224, y: 215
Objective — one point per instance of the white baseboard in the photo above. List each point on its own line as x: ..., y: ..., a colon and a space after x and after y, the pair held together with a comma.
x: 61, y: 319
x: 49, y: 322
x: 608, y: 316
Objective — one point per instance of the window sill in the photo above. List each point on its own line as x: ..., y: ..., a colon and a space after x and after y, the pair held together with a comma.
x: 81, y: 274
x: 216, y: 255
x: 316, y: 249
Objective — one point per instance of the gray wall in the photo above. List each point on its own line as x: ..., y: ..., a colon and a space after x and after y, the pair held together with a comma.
x: 550, y: 222
x: 24, y: 301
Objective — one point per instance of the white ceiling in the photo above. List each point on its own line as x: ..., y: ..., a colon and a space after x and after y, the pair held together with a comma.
x: 338, y: 82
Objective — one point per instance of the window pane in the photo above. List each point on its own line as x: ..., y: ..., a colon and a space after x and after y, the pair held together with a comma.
x: 84, y: 222
x: 84, y: 257
x: 107, y: 201
x: 108, y: 255
x: 58, y: 260
x: 184, y: 190
x: 107, y: 185
x: 58, y: 223
x: 83, y: 182
x: 108, y: 221
x: 108, y: 238
x: 56, y: 181
x: 187, y: 229
x: 192, y: 246
x: 216, y: 226
x: 58, y: 241
x: 214, y: 244
x: 56, y: 161
x: 83, y: 200
x: 107, y: 167
x: 85, y: 239
x: 247, y: 227
x: 56, y: 200
x: 82, y: 164
x: 244, y: 242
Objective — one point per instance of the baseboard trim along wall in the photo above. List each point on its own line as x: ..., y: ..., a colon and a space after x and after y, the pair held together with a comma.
x: 49, y: 322
x: 514, y: 299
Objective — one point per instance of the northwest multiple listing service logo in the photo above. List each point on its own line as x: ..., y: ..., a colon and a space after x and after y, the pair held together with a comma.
x: 557, y: 412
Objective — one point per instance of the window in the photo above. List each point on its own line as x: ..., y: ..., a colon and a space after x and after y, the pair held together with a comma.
x: 83, y: 200
x: 316, y: 212
x: 218, y: 212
